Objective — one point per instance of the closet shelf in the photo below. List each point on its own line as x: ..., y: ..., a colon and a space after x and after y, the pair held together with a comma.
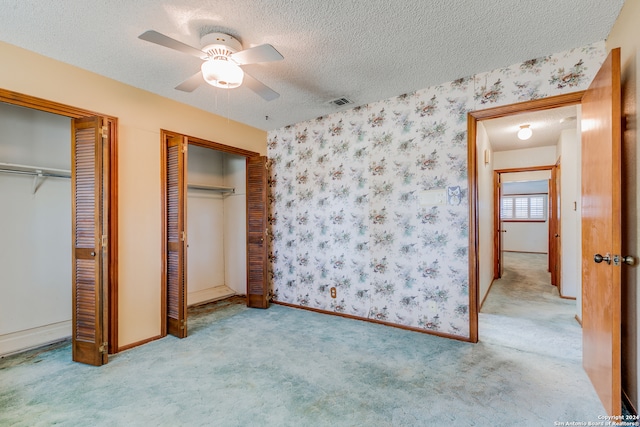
x: 215, y: 188
x: 38, y: 172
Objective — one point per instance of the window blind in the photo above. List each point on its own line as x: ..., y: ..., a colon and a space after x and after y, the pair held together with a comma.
x: 523, y: 207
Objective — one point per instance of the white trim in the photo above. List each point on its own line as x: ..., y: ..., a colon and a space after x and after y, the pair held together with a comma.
x: 16, y: 342
x: 209, y: 294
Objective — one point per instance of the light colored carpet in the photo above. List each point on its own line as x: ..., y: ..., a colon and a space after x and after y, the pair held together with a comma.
x: 288, y: 367
x: 525, y: 312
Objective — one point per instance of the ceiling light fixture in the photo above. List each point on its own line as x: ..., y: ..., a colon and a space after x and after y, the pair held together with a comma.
x: 525, y: 132
x: 221, y: 72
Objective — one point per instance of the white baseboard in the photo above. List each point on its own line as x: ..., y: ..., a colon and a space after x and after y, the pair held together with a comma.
x: 16, y: 342
x: 209, y: 294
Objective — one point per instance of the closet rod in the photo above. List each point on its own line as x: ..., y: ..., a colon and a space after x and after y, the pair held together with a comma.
x: 34, y: 173
x: 34, y: 170
x: 212, y: 188
x: 38, y: 173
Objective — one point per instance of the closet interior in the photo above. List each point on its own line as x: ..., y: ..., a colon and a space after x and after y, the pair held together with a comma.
x: 216, y: 225
x: 35, y: 225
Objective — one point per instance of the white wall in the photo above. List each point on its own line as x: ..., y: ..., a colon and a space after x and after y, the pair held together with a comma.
x: 35, y: 249
x: 216, y: 223
x: 570, y: 228
x: 485, y: 212
x: 526, y: 236
x: 540, y: 156
x: 205, y: 213
x: 543, y: 175
x: 235, y: 223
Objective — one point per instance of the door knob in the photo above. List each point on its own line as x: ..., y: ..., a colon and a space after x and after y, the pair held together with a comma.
x: 629, y: 260
x: 599, y: 258
x: 93, y: 254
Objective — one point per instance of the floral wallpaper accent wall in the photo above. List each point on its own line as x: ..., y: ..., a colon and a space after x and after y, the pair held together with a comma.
x: 347, y: 207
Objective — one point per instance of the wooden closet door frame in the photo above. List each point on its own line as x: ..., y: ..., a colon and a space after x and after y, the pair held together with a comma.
x: 189, y: 140
x: 34, y: 103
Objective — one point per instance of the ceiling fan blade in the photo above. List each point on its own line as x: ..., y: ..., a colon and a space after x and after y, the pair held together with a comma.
x: 253, y: 55
x: 260, y: 88
x: 191, y: 83
x: 166, y: 41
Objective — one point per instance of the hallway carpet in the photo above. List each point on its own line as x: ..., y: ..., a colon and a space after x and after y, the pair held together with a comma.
x: 289, y: 367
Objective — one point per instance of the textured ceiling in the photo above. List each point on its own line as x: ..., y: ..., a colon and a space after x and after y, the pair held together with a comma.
x: 363, y: 50
x: 546, y: 127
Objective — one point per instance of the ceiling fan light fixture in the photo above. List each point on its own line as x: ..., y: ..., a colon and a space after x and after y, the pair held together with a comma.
x: 525, y: 132
x: 222, y: 73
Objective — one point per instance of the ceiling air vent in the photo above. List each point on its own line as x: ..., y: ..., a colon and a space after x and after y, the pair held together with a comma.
x: 341, y: 101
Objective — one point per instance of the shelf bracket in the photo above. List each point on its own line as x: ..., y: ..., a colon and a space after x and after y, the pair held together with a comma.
x: 36, y: 184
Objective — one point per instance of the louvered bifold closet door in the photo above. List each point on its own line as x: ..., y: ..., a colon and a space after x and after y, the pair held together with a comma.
x: 257, y: 286
x: 89, y: 241
x: 176, y: 236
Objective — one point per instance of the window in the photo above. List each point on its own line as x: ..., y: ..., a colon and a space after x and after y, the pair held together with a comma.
x: 523, y: 207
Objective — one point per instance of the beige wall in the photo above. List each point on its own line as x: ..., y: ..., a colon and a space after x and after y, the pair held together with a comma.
x: 485, y: 212
x: 140, y: 115
x: 626, y: 35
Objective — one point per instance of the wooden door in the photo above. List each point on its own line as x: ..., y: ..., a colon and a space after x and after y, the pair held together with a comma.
x: 498, y: 226
x: 601, y: 232
x: 89, y: 228
x: 557, y: 261
x: 553, y: 231
x: 501, y: 259
x: 176, y: 236
x: 257, y: 285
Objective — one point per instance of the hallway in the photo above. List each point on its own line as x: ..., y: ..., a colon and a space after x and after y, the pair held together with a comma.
x: 524, y: 311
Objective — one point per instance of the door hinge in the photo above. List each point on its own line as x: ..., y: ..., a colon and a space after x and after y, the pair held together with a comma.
x: 104, y: 348
x: 183, y: 236
x: 183, y: 323
x: 184, y: 148
x: 104, y: 240
x: 104, y: 131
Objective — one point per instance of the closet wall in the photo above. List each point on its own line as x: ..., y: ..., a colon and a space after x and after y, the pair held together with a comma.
x: 35, y: 254
x: 216, y: 224
x: 235, y: 223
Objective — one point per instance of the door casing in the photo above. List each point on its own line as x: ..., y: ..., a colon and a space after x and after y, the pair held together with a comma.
x: 189, y: 140
x: 71, y: 112
x: 497, y: 237
x: 473, y: 118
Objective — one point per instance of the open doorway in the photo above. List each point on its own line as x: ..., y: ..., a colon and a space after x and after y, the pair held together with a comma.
x: 525, y: 216
x: 490, y: 152
x: 90, y: 172
x: 600, y: 209
x: 216, y: 201
x: 35, y: 183
x: 520, y: 233
x: 216, y: 225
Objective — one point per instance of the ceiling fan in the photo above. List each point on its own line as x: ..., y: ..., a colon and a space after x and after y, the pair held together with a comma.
x: 223, y: 58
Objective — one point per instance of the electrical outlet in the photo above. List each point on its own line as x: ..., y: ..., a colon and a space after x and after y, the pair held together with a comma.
x: 334, y: 292
x: 431, y: 307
